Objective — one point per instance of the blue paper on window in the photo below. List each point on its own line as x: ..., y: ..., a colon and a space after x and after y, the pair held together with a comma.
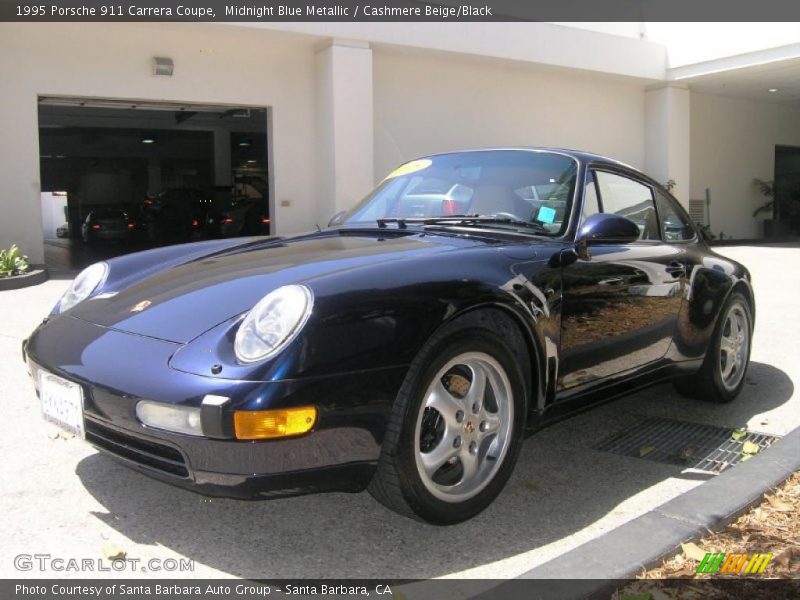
x: 546, y: 214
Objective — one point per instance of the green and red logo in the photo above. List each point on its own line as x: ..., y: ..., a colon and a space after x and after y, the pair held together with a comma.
x: 734, y: 564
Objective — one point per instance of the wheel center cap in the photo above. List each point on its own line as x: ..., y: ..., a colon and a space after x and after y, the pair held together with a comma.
x: 469, y: 427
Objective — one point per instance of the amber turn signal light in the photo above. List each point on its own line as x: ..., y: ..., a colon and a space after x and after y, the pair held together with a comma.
x: 271, y: 424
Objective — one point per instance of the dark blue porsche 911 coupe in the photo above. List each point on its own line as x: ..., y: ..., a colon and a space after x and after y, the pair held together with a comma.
x: 409, y: 347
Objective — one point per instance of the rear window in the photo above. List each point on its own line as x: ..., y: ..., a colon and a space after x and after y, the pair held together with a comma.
x: 108, y: 213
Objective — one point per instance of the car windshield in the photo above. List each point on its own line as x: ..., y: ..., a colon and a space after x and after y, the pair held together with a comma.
x: 497, y: 188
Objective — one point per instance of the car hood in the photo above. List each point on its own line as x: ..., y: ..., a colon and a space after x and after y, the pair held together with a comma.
x: 180, y: 302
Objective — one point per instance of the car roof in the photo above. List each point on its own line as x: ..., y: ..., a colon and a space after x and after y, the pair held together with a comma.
x: 579, y: 155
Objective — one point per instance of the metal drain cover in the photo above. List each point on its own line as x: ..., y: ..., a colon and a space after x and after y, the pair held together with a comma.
x: 695, y: 446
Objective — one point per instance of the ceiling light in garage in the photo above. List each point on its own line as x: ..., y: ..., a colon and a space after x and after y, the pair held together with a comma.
x: 772, y: 90
x: 251, y: 162
x: 148, y: 140
x: 244, y: 143
x: 163, y: 65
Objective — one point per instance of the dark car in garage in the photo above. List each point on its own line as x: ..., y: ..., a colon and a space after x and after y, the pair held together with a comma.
x: 237, y: 217
x: 175, y: 215
x: 108, y: 225
x: 408, y: 349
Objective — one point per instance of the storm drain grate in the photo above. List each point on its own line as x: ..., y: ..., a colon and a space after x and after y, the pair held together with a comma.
x: 695, y: 446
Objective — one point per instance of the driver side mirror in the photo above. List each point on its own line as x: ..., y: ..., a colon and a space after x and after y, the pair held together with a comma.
x: 604, y: 228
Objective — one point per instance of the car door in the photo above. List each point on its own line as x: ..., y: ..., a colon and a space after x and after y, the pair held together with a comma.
x: 621, y: 304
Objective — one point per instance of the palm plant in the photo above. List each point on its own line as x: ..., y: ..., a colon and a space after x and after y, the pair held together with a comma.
x: 767, y: 188
x: 13, y: 262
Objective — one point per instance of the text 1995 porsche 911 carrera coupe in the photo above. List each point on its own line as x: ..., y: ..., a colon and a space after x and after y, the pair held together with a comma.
x: 407, y: 348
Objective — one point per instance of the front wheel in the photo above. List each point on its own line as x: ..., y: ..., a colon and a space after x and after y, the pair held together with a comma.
x: 722, y: 375
x: 456, y: 429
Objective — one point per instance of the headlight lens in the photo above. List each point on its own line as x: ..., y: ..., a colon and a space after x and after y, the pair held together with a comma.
x: 273, y: 323
x: 85, y: 283
x: 180, y: 419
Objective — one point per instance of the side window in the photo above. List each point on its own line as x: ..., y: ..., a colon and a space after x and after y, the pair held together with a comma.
x: 675, y: 227
x: 631, y: 199
x: 591, y: 205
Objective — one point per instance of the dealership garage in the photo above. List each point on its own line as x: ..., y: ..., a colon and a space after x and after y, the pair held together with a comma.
x: 119, y: 176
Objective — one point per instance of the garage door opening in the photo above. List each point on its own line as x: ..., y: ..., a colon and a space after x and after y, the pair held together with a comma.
x: 122, y: 176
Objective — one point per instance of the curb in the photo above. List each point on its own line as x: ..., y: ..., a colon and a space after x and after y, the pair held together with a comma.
x: 625, y: 551
x: 36, y: 276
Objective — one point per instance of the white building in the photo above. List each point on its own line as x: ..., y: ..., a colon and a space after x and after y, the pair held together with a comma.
x: 346, y: 102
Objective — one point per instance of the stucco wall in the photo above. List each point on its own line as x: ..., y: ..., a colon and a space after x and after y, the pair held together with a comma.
x: 435, y: 103
x: 733, y: 141
x: 212, y: 65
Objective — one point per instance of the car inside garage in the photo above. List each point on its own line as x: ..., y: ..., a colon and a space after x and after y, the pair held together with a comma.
x: 120, y: 176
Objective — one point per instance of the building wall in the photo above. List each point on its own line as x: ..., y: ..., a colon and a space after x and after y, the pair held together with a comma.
x: 424, y: 101
x: 732, y: 142
x: 213, y: 64
x: 436, y: 103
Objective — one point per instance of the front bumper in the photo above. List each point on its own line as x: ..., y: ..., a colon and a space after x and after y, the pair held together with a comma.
x: 116, y: 370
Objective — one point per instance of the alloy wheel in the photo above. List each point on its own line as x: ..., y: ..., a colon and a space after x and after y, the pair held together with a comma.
x: 464, y: 427
x: 734, y: 347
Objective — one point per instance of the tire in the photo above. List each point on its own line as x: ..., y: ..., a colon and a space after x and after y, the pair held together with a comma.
x: 481, y: 434
x: 724, y: 369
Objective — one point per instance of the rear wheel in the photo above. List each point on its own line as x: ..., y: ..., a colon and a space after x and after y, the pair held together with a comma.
x: 456, y: 428
x: 722, y: 375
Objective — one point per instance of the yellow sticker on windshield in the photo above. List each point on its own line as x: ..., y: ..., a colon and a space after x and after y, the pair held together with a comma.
x: 409, y: 167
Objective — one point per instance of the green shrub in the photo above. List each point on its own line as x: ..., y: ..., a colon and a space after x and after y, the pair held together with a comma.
x: 12, y: 262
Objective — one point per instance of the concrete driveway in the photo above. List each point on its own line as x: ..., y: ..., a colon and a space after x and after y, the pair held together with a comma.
x: 62, y: 498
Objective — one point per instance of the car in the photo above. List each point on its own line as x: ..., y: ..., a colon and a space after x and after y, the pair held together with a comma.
x: 239, y: 218
x: 108, y: 224
x: 408, y: 355
x: 176, y: 214
x: 62, y: 231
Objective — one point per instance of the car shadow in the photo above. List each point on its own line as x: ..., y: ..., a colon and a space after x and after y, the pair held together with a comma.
x: 560, y: 486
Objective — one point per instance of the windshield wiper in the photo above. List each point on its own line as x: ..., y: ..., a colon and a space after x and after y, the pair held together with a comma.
x: 403, y: 222
x: 484, y: 220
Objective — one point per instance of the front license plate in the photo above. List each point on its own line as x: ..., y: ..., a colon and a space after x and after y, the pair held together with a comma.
x: 62, y: 402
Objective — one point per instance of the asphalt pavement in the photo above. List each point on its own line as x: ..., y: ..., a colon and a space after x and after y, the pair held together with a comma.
x: 60, y: 497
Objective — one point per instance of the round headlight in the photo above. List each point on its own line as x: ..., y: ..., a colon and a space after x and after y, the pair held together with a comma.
x: 273, y: 323
x: 85, y: 283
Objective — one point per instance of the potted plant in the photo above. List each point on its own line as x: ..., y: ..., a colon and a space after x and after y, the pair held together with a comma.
x: 13, y: 262
x: 781, y: 205
x: 16, y: 271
